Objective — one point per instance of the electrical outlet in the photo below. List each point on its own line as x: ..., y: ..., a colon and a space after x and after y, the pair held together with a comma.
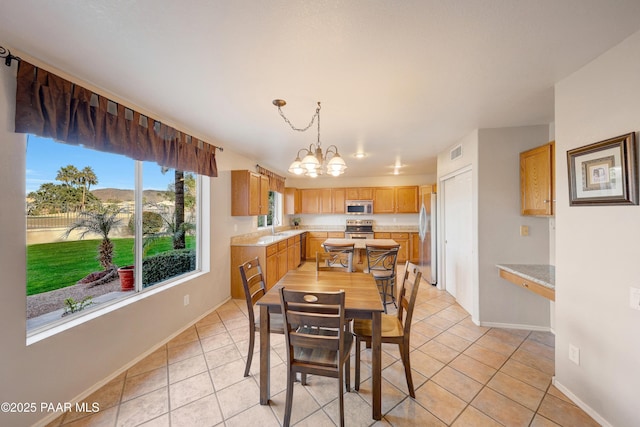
x: 186, y: 300
x: 634, y: 298
x: 574, y: 354
x: 524, y: 230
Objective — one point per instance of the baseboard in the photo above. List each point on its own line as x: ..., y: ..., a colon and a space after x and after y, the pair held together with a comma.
x: 580, y: 404
x: 79, y: 398
x: 515, y: 326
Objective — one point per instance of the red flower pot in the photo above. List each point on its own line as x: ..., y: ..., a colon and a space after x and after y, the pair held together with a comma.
x: 126, y: 278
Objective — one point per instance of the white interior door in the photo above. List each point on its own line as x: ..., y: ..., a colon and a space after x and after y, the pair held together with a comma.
x: 458, y: 238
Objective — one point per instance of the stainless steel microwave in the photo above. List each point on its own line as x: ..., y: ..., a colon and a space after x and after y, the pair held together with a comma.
x: 359, y: 207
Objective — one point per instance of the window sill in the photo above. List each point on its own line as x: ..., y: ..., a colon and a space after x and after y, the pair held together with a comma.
x: 55, y: 328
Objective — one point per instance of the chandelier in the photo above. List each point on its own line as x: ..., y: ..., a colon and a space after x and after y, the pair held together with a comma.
x: 311, y: 161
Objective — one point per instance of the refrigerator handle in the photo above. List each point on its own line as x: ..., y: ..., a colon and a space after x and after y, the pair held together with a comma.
x: 422, y: 223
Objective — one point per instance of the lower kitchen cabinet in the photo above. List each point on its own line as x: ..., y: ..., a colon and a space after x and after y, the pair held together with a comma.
x: 274, y: 260
x: 400, y: 238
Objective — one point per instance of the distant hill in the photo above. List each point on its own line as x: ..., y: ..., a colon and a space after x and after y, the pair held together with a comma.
x: 116, y: 194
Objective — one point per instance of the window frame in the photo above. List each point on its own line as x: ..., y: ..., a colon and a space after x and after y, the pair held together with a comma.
x: 54, y: 327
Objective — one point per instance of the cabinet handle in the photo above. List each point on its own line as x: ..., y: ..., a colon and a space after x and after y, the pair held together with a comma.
x: 525, y: 285
x: 545, y: 201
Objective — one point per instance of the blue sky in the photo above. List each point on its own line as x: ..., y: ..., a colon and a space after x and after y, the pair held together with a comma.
x: 45, y: 157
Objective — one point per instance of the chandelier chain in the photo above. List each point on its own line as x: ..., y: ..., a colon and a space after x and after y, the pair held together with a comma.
x: 313, y: 118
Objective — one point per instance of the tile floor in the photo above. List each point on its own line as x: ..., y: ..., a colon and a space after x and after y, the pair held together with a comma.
x: 465, y: 375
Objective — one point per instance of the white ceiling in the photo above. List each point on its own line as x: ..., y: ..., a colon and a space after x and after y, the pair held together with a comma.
x: 399, y: 80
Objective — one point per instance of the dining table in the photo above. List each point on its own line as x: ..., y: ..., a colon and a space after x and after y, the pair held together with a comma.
x: 362, y: 301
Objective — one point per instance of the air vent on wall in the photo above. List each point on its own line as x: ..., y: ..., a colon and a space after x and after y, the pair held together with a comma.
x: 456, y: 152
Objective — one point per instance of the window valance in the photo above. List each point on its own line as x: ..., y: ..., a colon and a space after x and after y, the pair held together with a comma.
x: 276, y: 182
x: 49, y: 106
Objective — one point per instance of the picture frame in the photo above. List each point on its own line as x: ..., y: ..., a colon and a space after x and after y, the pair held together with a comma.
x: 604, y: 173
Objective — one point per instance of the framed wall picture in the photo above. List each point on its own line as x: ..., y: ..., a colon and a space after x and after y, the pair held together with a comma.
x: 604, y: 173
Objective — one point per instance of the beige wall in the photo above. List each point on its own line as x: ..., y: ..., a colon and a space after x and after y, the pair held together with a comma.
x: 598, y: 247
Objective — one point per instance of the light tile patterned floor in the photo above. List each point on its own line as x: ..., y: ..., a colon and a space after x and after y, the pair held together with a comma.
x: 465, y: 375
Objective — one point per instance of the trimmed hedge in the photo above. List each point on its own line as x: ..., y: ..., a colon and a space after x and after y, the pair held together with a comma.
x: 163, y: 266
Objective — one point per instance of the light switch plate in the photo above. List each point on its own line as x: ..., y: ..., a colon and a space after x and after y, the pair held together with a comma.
x: 574, y: 354
x: 524, y: 230
x: 634, y: 298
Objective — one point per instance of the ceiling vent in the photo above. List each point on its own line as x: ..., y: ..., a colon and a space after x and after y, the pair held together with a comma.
x: 456, y: 152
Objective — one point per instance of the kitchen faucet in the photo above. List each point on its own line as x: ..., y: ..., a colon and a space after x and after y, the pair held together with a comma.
x: 274, y: 222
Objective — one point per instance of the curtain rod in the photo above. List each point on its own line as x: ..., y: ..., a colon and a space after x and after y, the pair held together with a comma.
x: 8, y: 57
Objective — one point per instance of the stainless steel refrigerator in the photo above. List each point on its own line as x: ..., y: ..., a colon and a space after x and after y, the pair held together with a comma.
x: 427, y: 230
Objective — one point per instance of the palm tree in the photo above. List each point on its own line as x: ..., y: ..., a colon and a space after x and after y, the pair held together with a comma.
x: 86, y: 178
x: 98, y: 222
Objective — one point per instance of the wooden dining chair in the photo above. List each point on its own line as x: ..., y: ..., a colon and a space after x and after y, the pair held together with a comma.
x: 334, y: 261
x: 381, y: 263
x: 342, y: 248
x: 254, y: 288
x: 317, y: 338
x: 396, y: 329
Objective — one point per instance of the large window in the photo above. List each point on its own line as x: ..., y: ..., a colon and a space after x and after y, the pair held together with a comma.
x: 102, y: 227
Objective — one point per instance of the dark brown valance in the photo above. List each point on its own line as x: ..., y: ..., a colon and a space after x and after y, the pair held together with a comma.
x: 52, y: 107
x: 276, y: 182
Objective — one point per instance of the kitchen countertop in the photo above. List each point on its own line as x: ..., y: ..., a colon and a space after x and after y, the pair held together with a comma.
x: 542, y: 274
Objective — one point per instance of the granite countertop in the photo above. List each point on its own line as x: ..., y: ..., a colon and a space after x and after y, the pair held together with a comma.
x: 542, y: 274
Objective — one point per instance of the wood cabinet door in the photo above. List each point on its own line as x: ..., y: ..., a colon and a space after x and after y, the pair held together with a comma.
x: 326, y: 201
x: 339, y: 197
x: 272, y: 270
x: 536, y: 181
x: 291, y: 201
x: 403, y: 240
x: 310, y: 200
x: 283, y: 263
x: 254, y: 193
x: 314, y: 244
x: 359, y: 193
x: 415, y: 248
x: 292, y: 264
x: 407, y: 199
x: 384, y: 200
x: 264, y: 195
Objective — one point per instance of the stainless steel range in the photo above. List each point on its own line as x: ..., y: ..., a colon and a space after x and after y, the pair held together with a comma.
x: 359, y: 229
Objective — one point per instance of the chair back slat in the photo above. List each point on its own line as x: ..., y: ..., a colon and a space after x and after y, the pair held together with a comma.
x: 307, y: 315
x: 408, y: 295
x: 253, y: 284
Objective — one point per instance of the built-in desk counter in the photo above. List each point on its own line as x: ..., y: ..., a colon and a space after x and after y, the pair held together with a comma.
x: 537, y: 278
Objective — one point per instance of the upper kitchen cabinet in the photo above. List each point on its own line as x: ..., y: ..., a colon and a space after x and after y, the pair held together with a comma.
x: 338, y: 196
x: 292, y: 201
x: 537, y: 181
x: 407, y: 199
x: 384, y: 200
x: 395, y: 199
x: 249, y: 193
x: 322, y: 200
x: 360, y: 193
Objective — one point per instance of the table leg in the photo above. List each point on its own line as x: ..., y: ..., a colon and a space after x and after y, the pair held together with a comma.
x: 376, y: 369
x: 265, y: 354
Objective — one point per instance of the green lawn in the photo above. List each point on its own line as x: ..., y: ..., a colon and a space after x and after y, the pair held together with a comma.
x: 53, y: 266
